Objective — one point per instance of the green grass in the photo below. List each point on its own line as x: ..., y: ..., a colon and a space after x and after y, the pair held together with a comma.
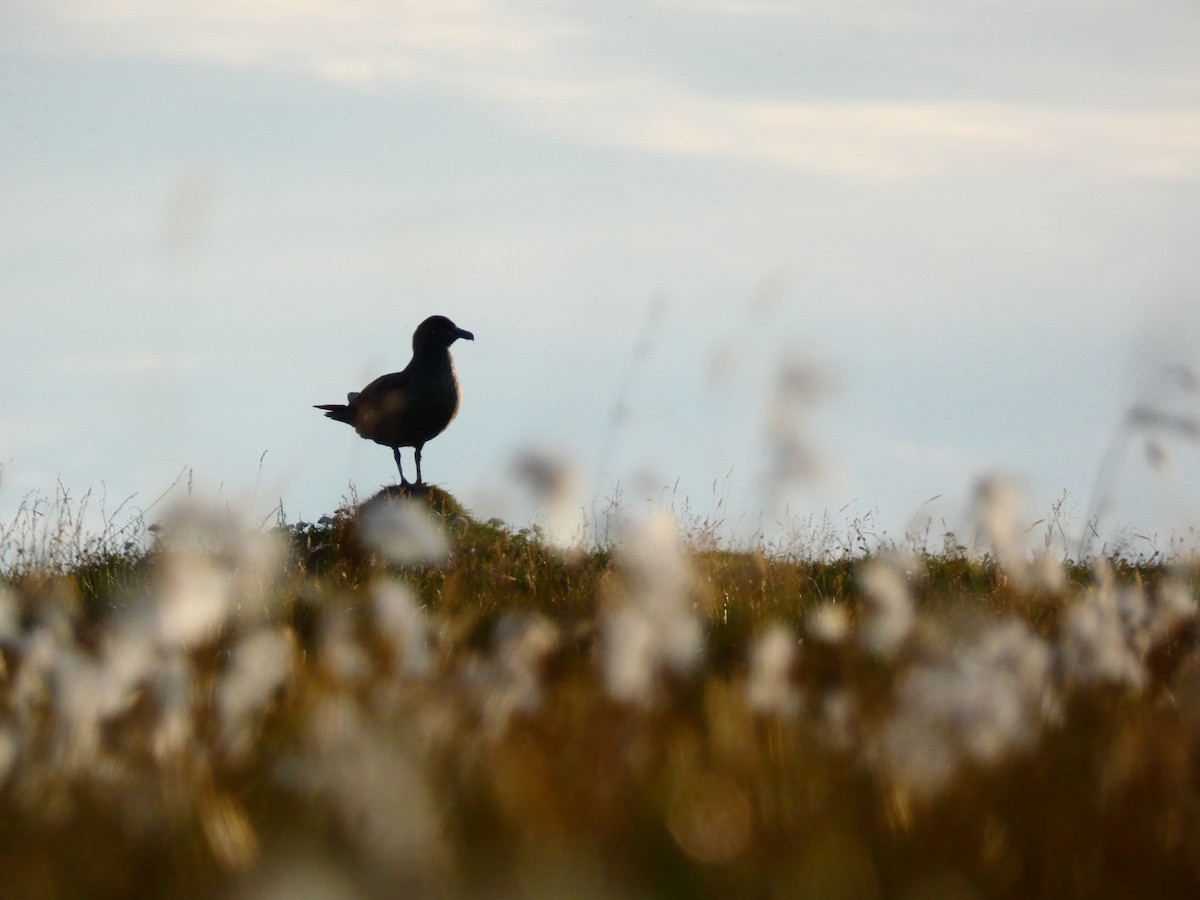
x: 205, y: 709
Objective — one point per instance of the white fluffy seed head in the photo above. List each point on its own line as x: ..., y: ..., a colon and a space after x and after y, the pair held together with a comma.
x: 194, y: 597
x: 509, y: 680
x: 980, y: 702
x: 827, y: 622
x: 654, y: 626
x: 215, y: 570
x: 404, y: 532
x: 769, y: 688
x: 890, y: 615
x: 401, y: 623
x: 1104, y: 639
x: 263, y: 663
x: 630, y: 656
x: 556, y: 487
x: 997, y: 511
x: 792, y: 454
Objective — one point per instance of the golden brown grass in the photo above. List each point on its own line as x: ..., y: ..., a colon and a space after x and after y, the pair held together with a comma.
x: 385, y: 704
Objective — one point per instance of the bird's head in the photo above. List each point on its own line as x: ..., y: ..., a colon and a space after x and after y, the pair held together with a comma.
x: 438, y: 331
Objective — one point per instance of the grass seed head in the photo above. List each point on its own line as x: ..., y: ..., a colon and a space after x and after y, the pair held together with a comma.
x: 890, y: 615
x: 401, y: 623
x: 769, y: 687
x: 404, y: 532
x: 979, y: 702
x: 1104, y: 638
x: 509, y: 681
x: 654, y: 628
x: 828, y: 622
x: 556, y: 486
x: 262, y: 665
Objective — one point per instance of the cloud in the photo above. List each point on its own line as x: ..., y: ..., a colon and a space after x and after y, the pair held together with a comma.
x: 895, y: 141
x: 582, y: 79
x: 18, y: 432
x: 391, y: 39
x: 130, y: 364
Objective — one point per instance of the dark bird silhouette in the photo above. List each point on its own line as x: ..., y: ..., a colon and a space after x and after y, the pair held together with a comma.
x: 408, y: 408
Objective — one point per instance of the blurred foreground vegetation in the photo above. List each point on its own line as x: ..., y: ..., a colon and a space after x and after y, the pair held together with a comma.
x: 400, y: 700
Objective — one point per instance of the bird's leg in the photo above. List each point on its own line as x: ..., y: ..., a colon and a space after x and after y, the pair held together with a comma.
x: 417, y: 450
x: 400, y: 468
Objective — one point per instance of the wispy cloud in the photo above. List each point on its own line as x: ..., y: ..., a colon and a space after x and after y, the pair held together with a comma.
x: 130, y: 364
x: 22, y: 431
x: 892, y: 141
x: 552, y: 70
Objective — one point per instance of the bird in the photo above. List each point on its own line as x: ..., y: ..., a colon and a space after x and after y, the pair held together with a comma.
x: 413, y: 406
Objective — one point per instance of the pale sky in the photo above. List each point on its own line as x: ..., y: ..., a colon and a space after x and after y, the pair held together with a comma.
x: 973, y: 225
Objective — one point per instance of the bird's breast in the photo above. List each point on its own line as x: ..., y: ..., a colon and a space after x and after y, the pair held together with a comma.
x: 443, y: 396
x: 414, y: 412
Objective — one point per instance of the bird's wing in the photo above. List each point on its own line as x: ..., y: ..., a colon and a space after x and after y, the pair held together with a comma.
x: 381, y: 402
x: 396, y: 387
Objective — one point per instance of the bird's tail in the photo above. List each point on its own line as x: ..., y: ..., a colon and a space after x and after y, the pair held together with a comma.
x: 339, y: 412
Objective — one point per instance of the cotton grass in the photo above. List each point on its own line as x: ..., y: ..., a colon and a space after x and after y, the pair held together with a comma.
x: 415, y: 701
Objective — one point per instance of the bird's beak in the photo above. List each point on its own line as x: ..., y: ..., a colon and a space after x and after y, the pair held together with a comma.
x: 463, y: 333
